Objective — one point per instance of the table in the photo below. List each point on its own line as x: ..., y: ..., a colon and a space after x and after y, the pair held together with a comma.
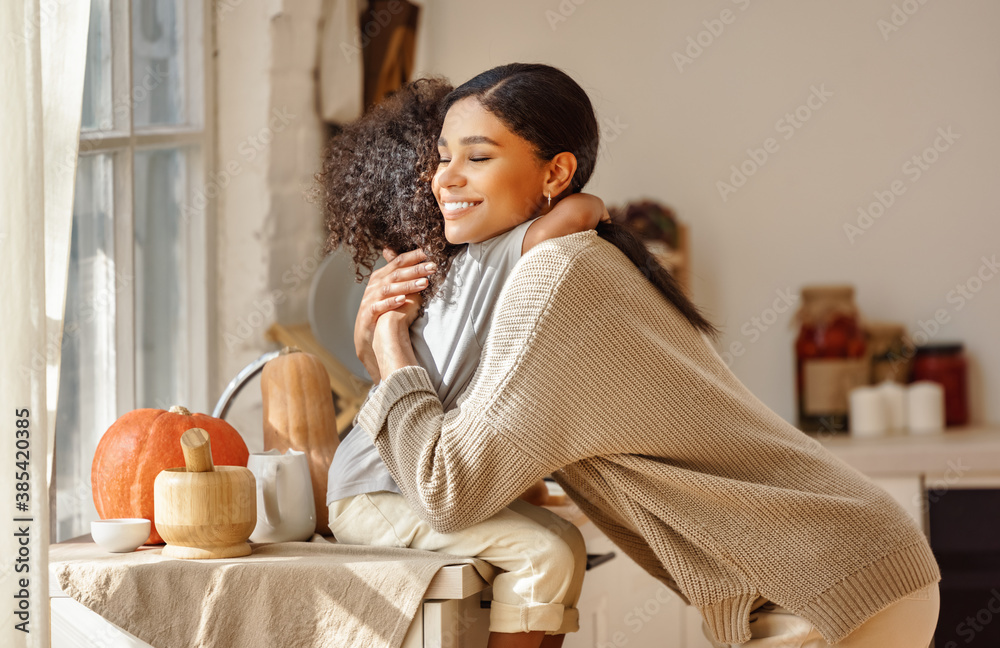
x: 451, y: 612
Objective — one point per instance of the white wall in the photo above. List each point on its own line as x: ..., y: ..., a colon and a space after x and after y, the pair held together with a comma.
x: 671, y: 134
x: 269, y: 143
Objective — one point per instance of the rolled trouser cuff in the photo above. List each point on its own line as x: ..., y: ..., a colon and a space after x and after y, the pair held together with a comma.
x: 570, y: 623
x: 526, y: 618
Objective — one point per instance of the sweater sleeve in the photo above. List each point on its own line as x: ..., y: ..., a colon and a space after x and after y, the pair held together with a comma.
x: 548, y: 392
x: 509, y: 428
x: 453, y: 469
x: 623, y: 536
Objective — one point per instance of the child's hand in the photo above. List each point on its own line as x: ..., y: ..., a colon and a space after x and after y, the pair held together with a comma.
x: 590, y: 205
x: 397, y: 280
x: 575, y: 213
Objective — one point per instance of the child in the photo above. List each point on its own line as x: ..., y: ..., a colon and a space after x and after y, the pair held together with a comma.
x: 377, y: 193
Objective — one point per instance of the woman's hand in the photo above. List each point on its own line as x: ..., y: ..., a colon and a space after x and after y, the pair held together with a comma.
x: 387, y: 292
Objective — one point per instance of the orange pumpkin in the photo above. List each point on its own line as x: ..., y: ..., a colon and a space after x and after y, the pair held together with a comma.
x: 139, y: 445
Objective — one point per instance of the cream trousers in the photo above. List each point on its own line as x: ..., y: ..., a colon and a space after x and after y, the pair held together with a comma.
x: 907, y: 623
x: 543, y: 554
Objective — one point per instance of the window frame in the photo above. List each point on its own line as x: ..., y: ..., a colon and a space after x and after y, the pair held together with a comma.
x: 198, y: 209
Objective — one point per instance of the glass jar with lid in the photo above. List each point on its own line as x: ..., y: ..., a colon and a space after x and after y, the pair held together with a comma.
x: 890, y: 352
x: 830, y: 354
x: 944, y: 363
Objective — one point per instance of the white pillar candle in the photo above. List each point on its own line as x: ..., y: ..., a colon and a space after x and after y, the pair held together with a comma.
x: 925, y: 407
x: 894, y: 401
x: 867, y: 412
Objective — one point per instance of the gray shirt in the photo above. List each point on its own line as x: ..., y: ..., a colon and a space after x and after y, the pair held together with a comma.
x: 447, y: 341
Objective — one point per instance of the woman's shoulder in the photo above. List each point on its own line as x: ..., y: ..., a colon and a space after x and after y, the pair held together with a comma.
x: 581, y: 260
x: 567, y: 278
x: 573, y: 251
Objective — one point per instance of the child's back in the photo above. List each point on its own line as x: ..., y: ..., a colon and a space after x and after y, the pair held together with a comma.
x: 447, y: 341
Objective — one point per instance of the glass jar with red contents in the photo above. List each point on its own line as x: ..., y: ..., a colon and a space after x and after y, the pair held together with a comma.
x: 944, y: 363
x: 830, y: 357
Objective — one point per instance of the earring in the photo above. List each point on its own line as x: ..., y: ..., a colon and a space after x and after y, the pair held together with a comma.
x: 550, y: 199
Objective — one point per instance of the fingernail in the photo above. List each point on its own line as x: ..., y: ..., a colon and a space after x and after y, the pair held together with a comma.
x: 400, y: 299
x: 421, y: 282
x: 430, y: 267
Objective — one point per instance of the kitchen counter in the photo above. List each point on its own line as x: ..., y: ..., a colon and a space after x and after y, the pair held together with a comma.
x: 959, y: 452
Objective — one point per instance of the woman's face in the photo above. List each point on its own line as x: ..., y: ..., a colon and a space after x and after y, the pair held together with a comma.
x: 489, y: 179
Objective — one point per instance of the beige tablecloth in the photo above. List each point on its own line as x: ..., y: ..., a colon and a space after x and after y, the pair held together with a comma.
x: 296, y: 594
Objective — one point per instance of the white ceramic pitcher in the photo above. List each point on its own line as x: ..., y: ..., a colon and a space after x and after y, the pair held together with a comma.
x: 285, y: 508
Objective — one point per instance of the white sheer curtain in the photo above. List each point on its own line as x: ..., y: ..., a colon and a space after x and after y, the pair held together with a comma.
x: 43, y: 46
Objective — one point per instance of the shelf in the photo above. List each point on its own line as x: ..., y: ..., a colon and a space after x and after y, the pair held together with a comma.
x: 957, y: 452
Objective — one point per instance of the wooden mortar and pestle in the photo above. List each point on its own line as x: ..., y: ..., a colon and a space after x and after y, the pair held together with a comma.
x: 202, y: 510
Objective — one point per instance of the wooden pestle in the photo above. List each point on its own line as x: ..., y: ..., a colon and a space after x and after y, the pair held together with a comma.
x: 197, y: 449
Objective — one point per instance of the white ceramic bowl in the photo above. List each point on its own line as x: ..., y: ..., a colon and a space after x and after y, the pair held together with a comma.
x: 120, y: 535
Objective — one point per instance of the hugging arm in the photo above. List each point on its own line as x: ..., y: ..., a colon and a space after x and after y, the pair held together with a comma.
x: 574, y: 213
x: 454, y: 469
x: 526, y: 414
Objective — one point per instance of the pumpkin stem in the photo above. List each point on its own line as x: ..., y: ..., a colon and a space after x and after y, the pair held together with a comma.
x: 179, y: 409
x: 290, y: 349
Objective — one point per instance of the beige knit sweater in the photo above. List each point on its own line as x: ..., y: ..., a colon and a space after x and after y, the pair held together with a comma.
x: 589, y: 373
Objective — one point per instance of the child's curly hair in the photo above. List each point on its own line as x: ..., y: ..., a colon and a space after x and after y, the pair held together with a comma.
x: 375, y: 182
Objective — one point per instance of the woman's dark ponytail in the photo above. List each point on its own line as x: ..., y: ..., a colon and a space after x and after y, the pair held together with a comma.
x: 623, y: 238
x: 546, y: 107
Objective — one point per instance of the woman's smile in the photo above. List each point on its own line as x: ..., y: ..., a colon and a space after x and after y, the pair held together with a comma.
x: 455, y: 209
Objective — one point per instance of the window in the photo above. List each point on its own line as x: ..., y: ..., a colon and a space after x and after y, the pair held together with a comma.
x: 136, y: 323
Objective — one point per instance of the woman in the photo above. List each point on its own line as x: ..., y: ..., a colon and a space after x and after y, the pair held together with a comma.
x: 599, y: 371
x: 375, y: 195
